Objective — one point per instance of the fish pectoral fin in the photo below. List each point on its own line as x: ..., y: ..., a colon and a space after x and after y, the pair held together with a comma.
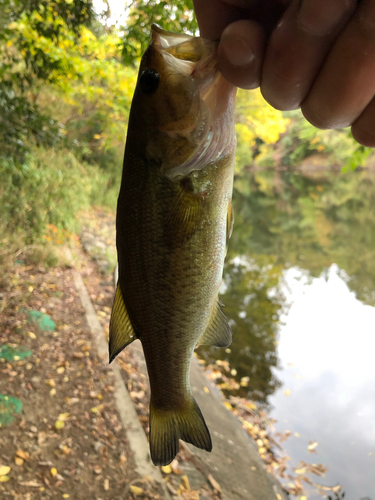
x: 184, y: 217
x: 168, y: 426
x: 121, y: 331
x: 230, y: 221
x: 218, y: 331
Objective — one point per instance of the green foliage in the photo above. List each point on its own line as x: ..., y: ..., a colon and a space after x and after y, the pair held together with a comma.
x: 301, y: 140
x: 31, y: 55
x: 48, y: 189
x: 172, y: 15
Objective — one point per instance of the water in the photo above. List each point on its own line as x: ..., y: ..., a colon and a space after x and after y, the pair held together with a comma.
x: 326, y: 353
x: 299, y: 291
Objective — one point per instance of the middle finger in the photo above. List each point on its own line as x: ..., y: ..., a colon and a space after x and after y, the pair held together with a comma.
x: 298, y: 47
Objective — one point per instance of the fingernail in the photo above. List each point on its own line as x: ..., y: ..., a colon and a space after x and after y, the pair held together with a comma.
x: 237, y: 51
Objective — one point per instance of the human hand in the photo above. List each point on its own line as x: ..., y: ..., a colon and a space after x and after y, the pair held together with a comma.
x: 318, y: 55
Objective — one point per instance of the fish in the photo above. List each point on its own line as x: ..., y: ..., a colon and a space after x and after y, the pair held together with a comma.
x: 174, y: 220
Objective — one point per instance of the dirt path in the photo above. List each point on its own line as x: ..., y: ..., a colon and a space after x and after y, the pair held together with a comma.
x: 68, y: 440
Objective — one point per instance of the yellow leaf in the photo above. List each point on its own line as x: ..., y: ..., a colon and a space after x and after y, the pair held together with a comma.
x: 206, y: 390
x: 136, y: 490
x: 64, y: 416
x: 4, y: 479
x: 60, y: 370
x: 312, y: 445
x: 52, y: 392
x: 31, y: 335
x: 167, y: 469
x: 228, y: 405
x: 18, y: 461
x: 287, y: 392
x: 23, y: 454
x: 66, y: 495
x: 53, y: 472
x: 4, y: 469
x: 185, y: 482
x: 59, y: 424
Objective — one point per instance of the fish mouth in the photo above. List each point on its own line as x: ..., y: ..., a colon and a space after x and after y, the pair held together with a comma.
x: 196, y: 57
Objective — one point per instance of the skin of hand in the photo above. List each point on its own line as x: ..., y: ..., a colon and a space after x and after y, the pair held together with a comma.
x: 317, y: 55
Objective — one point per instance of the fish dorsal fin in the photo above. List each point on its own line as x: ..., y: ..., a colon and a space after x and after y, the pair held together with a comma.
x: 121, y: 331
x: 218, y: 330
x: 185, y: 214
x: 230, y: 221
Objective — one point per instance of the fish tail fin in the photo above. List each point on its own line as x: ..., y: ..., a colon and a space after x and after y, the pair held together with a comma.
x: 168, y: 426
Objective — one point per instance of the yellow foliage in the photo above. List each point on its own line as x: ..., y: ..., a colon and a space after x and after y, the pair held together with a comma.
x: 255, y: 119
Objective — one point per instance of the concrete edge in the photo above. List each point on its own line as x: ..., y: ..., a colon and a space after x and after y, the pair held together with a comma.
x: 133, y: 428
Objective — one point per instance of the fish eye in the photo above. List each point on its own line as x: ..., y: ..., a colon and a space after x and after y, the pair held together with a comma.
x: 149, y: 81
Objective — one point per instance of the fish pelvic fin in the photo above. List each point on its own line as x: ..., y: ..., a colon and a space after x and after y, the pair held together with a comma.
x: 218, y: 331
x: 121, y: 331
x: 230, y: 221
x: 168, y: 426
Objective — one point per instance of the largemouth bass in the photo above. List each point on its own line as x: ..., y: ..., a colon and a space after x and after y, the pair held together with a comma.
x: 174, y: 219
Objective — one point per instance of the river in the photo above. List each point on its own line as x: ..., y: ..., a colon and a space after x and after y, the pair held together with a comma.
x: 299, y: 291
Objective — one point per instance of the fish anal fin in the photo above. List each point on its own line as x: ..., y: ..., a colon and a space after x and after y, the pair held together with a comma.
x: 121, y: 331
x: 168, y: 426
x: 185, y: 215
x: 218, y: 331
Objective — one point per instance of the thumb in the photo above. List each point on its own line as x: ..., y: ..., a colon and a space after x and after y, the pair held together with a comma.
x: 241, y: 53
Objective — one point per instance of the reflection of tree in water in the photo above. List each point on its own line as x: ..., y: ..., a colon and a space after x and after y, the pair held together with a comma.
x: 310, y: 221
x: 285, y: 220
x: 253, y: 305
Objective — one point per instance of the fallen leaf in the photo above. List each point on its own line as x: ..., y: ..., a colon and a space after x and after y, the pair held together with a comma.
x: 31, y: 484
x: 190, y: 495
x: 4, y: 469
x: 53, y: 472
x: 18, y: 461
x: 22, y: 454
x: 63, y: 416
x: 4, y: 479
x: 167, y: 469
x: 206, y: 390
x: 215, y: 485
x: 59, y: 424
x: 136, y: 490
x: 106, y: 484
x: 185, y: 482
x: 175, y: 468
x: 312, y: 446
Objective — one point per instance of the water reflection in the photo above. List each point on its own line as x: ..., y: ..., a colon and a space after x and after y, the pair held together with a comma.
x: 326, y: 355
x: 253, y: 304
x: 289, y: 231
